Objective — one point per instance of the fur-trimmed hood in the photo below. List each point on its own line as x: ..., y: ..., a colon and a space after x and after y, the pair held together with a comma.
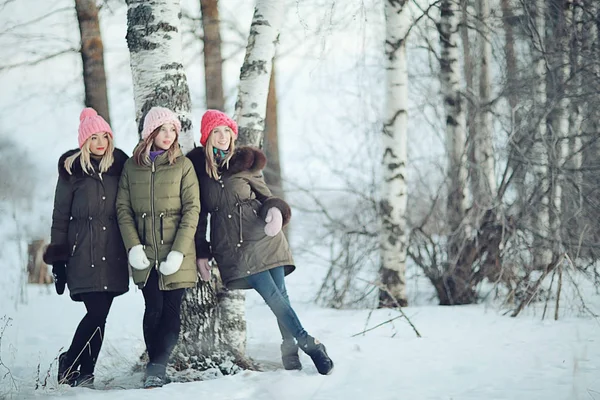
x: 244, y: 159
x: 115, y: 169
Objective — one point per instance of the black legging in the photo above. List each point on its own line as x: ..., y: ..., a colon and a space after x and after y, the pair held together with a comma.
x: 89, y: 335
x: 162, y: 320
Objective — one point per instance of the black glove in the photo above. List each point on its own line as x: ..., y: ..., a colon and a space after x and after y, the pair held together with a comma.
x: 59, y: 271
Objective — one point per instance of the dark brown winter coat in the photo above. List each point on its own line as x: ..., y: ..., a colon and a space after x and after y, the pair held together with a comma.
x: 238, y: 204
x: 85, y: 232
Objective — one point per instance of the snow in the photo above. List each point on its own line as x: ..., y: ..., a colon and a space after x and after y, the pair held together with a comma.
x: 469, y: 352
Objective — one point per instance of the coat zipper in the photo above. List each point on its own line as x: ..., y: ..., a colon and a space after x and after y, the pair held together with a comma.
x: 91, y: 241
x: 152, y: 212
x: 161, y: 216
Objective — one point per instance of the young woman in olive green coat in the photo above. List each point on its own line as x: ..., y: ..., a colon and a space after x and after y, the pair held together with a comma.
x: 158, y: 207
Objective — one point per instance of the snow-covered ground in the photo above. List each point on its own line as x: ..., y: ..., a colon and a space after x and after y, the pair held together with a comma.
x: 470, y: 352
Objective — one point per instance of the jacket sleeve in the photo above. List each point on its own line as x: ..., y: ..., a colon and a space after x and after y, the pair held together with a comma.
x: 264, y: 195
x: 125, y: 214
x: 190, y: 209
x: 58, y: 249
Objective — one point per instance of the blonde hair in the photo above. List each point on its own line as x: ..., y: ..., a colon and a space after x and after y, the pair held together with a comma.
x: 141, y: 154
x: 85, y: 157
x: 212, y: 168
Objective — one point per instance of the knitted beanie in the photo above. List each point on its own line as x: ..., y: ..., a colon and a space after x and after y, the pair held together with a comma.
x: 91, y: 123
x: 213, y: 118
x: 158, y: 116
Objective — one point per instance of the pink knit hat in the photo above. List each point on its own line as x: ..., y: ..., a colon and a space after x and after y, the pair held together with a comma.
x: 158, y: 116
x: 90, y: 123
x: 213, y: 118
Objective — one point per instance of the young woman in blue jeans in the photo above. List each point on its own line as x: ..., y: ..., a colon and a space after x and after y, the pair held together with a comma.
x: 247, y: 243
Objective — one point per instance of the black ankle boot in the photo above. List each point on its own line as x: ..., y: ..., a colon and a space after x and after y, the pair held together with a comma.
x: 67, y: 371
x: 155, y: 376
x: 317, y: 352
x: 289, y: 355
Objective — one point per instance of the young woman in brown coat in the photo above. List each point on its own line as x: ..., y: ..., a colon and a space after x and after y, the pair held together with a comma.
x: 86, y: 250
x: 247, y: 243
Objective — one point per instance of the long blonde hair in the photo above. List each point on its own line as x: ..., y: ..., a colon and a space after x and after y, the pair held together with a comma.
x: 85, y: 157
x: 141, y: 154
x: 212, y: 168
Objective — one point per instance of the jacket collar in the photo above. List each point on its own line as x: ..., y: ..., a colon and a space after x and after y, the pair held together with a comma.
x: 115, y: 169
x: 244, y: 159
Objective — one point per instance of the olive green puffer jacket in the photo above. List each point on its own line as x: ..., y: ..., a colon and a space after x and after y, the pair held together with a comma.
x: 158, y: 206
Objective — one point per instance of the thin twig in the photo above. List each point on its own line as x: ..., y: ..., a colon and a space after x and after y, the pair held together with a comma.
x: 398, y: 307
x: 377, y: 326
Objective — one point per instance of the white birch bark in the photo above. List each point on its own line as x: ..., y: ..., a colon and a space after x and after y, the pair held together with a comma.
x: 562, y: 121
x: 255, y: 73
x: 484, y: 145
x: 542, y: 255
x: 154, y: 41
x: 251, y: 108
x: 576, y: 114
x: 394, y: 231
x: 455, y: 118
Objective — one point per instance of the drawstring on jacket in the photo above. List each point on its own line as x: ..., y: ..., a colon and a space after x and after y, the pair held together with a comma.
x: 144, y: 230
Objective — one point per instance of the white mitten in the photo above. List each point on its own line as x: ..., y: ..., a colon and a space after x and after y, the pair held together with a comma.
x: 172, y: 263
x: 137, y: 257
x: 274, y: 221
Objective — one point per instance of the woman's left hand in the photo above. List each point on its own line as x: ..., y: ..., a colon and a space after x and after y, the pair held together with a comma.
x: 274, y: 221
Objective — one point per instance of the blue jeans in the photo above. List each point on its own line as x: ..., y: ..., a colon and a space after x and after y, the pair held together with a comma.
x: 271, y: 286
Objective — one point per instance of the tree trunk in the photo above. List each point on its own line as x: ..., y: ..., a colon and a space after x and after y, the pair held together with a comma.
x: 213, y: 61
x: 92, y: 56
x: 255, y: 73
x: 251, y: 108
x: 455, y: 119
x: 154, y: 41
x: 455, y: 144
x: 469, y: 73
x: 541, y: 252
x: 394, y: 230
x: 577, y: 46
x: 520, y: 143
x: 271, y: 145
x: 484, y: 146
x: 153, y: 37
x: 561, y: 120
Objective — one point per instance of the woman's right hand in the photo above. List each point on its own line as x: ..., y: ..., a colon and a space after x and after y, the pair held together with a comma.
x: 137, y: 257
x: 203, y: 268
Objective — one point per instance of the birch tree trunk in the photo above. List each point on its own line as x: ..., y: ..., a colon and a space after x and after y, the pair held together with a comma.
x: 541, y: 218
x: 255, y: 73
x: 271, y: 145
x: 250, y: 109
x: 153, y: 37
x: 455, y: 119
x: 92, y: 56
x: 520, y: 143
x: 456, y: 281
x: 578, y: 39
x: 154, y: 41
x: 469, y: 73
x: 561, y: 126
x: 213, y: 61
x: 484, y: 146
x: 394, y: 230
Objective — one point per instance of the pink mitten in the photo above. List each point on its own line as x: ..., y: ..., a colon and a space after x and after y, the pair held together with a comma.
x: 203, y: 268
x: 274, y: 221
